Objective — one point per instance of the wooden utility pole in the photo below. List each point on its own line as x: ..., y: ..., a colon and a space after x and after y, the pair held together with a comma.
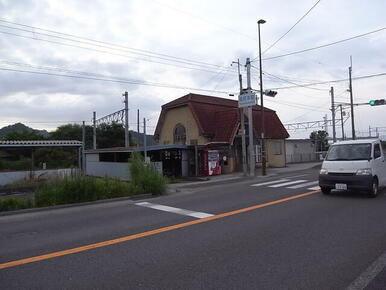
x: 127, y: 137
x: 333, y: 114
x: 351, y: 100
x: 94, y: 130
x: 242, y: 124
x: 252, y: 162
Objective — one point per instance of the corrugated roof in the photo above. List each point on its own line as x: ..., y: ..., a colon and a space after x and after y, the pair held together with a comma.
x: 40, y: 143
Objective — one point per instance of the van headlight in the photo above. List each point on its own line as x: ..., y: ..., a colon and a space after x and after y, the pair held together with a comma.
x: 364, y: 171
x: 323, y: 171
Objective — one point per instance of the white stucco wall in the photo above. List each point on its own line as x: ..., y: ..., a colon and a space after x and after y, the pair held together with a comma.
x: 300, y: 151
x: 118, y: 170
x: 14, y: 176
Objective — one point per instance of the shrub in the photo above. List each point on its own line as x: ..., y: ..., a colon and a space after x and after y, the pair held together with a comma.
x: 81, y: 189
x: 22, y: 164
x: 15, y: 203
x: 144, y: 178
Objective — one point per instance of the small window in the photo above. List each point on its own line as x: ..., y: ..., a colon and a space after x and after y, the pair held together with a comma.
x: 377, y: 151
x: 179, y: 134
x: 277, y: 148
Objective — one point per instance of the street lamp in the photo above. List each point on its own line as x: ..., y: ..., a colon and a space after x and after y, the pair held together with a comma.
x: 263, y: 161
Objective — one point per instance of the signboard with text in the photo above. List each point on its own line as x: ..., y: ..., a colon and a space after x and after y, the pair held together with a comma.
x: 247, y: 99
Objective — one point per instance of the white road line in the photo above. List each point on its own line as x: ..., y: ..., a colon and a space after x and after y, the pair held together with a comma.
x: 369, y: 274
x: 180, y: 211
x: 303, y: 184
x: 314, y: 188
x: 288, y: 183
x: 297, y: 176
x: 270, y: 182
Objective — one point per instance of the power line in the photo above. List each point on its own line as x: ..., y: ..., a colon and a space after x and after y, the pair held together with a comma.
x: 296, y: 23
x: 134, y: 82
x: 107, y: 52
x: 324, y: 45
x: 58, y: 69
x: 103, y: 43
x: 307, y: 112
x: 290, y: 82
x: 332, y: 81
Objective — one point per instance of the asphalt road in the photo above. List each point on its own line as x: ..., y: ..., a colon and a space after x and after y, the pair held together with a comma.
x: 225, y: 236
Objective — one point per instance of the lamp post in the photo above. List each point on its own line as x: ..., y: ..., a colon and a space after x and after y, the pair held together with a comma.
x: 263, y: 161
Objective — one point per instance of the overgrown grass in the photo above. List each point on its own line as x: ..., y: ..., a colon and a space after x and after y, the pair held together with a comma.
x: 22, y: 164
x: 81, y: 189
x: 144, y: 178
x: 15, y: 203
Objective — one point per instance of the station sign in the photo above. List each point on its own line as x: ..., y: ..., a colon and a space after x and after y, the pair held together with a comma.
x: 247, y: 99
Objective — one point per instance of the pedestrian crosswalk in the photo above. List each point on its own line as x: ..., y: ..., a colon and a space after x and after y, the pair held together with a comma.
x: 290, y: 183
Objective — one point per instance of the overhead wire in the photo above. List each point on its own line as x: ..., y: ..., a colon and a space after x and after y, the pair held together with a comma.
x: 111, y: 53
x: 332, y: 81
x: 324, y: 45
x: 292, y: 27
x: 103, y: 43
x: 134, y: 82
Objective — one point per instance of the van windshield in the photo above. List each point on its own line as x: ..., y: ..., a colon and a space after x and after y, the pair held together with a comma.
x: 349, y: 152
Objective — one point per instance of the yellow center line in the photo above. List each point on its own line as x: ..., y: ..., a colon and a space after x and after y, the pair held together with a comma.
x: 148, y: 233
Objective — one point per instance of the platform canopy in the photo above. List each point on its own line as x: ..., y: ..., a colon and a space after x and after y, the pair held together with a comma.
x: 41, y: 143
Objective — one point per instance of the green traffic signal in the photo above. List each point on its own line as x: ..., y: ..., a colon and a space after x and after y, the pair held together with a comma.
x: 377, y: 102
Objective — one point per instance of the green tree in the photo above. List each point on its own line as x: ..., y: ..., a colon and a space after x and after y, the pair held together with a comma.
x: 319, y: 138
x: 23, y: 136
x: 73, y: 132
x: 110, y: 135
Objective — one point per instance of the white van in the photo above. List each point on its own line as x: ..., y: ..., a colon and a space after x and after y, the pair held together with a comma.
x: 354, y: 165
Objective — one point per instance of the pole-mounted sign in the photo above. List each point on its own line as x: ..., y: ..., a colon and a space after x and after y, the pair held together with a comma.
x: 247, y: 99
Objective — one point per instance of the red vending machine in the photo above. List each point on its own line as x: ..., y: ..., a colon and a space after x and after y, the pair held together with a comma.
x: 214, y: 162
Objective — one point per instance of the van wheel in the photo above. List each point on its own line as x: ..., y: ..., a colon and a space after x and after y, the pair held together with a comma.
x: 373, y: 192
x: 325, y: 190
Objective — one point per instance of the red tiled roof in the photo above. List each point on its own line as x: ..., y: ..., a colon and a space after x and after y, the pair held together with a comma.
x: 218, y: 118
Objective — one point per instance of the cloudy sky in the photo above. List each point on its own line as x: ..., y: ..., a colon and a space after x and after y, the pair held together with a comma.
x: 62, y: 60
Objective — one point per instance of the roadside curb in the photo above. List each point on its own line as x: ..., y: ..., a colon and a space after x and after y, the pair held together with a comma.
x: 133, y: 198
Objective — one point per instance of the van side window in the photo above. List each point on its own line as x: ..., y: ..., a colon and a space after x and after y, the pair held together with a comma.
x: 377, y: 151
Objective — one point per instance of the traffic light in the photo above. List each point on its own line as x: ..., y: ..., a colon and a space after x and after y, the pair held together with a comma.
x: 270, y: 93
x: 377, y: 102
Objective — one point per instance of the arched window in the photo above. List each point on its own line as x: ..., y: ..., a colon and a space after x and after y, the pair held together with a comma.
x: 179, y: 134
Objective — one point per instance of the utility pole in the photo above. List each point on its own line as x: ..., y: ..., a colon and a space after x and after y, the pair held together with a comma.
x: 263, y: 161
x: 138, y: 133
x: 94, y: 131
x: 242, y: 123
x: 144, y: 139
x: 325, y: 129
x: 341, y: 120
x: 127, y: 137
x: 333, y: 114
x: 351, y: 100
x: 83, y: 147
x: 252, y: 161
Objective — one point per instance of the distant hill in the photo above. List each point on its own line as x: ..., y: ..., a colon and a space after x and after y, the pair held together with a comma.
x: 19, y: 127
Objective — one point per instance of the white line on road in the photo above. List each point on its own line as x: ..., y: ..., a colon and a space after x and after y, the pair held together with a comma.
x: 180, y: 211
x: 369, y: 274
x: 288, y: 183
x: 297, y: 176
x: 270, y: 182
x: 303, y: 184
x: 314, y: 188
